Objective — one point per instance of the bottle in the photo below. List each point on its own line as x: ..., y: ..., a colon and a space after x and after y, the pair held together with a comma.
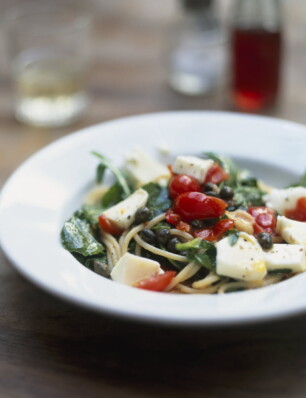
x: 256, y: 47
x: 196, y: 58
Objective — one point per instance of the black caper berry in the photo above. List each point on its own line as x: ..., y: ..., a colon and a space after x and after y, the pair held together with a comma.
x: 143, y: 214
x: 212, y: 193
x: 226, y: 193
x: 265, y: 240
x: 148, y: 236
x: 171, y: 245
x: 163, y: 235
x: 209, y: 186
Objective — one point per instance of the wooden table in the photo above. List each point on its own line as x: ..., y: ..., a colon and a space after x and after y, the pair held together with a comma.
x: 50, y: 348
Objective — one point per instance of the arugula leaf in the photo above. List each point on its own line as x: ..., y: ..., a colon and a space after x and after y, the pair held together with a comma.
x: 248, y: 196
x: 117, y: 173
x: 100, y: 173
x: 77, y: 237
x: 200, y: 251
x: 158, y: 200
x: 281, y: 271
x: 114, y: 195
x: 233, y: 236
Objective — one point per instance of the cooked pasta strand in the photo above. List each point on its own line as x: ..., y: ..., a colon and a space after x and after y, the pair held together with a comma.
x: 187, y: 272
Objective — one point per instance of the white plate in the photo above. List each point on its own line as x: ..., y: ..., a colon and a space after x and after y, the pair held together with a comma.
x: 49, y: 186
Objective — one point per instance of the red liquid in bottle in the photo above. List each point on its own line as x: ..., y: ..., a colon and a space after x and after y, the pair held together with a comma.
x: 256, y: 68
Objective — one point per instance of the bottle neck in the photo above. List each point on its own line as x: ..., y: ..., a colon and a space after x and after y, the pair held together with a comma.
x: 257, y: 14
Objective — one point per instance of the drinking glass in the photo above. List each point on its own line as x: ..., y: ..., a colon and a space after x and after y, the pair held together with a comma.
x: 49, y: 59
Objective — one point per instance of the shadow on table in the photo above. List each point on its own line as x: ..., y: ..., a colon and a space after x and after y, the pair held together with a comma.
x: 88, y: 352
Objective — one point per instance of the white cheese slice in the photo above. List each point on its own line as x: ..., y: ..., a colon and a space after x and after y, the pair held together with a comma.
x: 123, y: 213
x: 144, y: 169
x: 131, y: 269
x: 284, y: 256
x: 192, y: 166
x: 244, y: 260
x: 284, y: 199
x: 291, y: 231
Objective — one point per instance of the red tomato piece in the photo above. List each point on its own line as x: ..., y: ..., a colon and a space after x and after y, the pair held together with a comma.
x: 198, y: 206
x: 181, y: 183
x: 157, y: 283
x: 172, y: 217
x: 265, y: 219
x: 222, y: 226
x: 216, y: 232
x: 183, y: 226
x: 216, y: 174
x: 109, y: 226
x: 299, y: 213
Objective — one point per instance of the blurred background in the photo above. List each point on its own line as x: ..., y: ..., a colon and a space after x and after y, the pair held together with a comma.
x: 138, y: 56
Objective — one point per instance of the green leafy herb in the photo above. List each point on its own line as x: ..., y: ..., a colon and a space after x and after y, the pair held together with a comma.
x: 246, y: 196
x: 114, y: 195
x: 228, y: 165
x: 233, y: 236
x: 158, y: 200
x: 89, y: 213
x: 281, y: 271
x: 100, y: 173
x: 104, y: 162
x: 200, y: 251
x: 162, y: 225
x: 77, y: 237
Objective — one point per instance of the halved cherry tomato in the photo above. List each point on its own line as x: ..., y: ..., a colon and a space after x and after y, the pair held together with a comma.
x: 299, y: 213
x: 157, y: 283
x: 183, y: 226
x: 216, y: 232
x: 181, y: 183
x: 265, y: 219
x: 172, y: 217
x: 109, y: 226
x: 198, y: 206
x: 216, y: 174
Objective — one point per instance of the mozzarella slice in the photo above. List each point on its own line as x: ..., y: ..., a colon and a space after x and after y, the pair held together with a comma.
x: 123, y: 213
x: 131, y: 269
x: 284, y: 199
x: 244, y: 260
x: 192, y: 166
x: 291, y: 231
x: 284, y: 256
x: 144, y: 169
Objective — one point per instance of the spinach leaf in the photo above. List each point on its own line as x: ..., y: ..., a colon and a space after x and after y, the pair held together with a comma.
x: 117, y: 173
x: 97, y: 264
x: 200, y: 251
x: 228, y: 165
x: 89, y: 213
x: 158, y: 200
x: 77, y: 237
x: 100, y: 173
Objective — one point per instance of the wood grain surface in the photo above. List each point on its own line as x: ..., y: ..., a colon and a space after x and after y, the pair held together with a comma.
x: 50, y: 348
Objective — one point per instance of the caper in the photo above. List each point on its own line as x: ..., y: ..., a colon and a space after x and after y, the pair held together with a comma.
x: 163, y: 235
x: 171, y: 245
x: 226, y: 193
x: 212, y: 193
x: 148, y: 236
x: 265, y: 240
x: 209, y: 186
x: 142, y: 215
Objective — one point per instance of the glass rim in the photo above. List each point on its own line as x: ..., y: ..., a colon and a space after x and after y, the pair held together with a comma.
x: 79, y: 16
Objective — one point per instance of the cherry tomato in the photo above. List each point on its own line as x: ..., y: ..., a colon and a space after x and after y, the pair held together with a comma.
x: 198, y: 206
x: 157, y: 283
x: 216, y: 174
x: 216, y: 232
x: 172, y: 217
x: 183, y: 226
x: 265, y: 219
x: 181, y: 183
x: 109, y: 226
x: 299, y: 213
